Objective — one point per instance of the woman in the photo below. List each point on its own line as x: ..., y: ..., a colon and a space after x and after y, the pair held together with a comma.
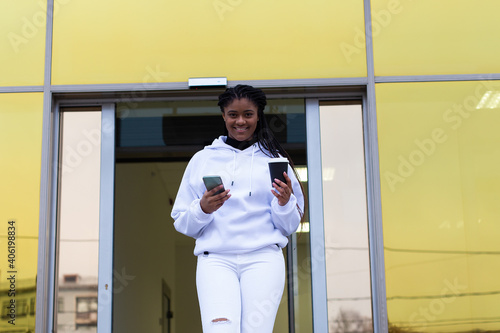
x: 240, y: 232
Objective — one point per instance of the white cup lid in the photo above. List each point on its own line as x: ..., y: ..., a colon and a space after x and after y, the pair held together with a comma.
x: 278, y: 159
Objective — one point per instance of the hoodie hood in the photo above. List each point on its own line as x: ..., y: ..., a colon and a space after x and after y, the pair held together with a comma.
x: 220, y: 145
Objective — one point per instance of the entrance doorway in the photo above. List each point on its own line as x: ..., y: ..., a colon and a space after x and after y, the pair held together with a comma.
x: 121, y: 266
x: 154, y: 143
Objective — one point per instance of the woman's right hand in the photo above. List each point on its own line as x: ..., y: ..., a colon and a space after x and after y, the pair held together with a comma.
x: 210, y: 201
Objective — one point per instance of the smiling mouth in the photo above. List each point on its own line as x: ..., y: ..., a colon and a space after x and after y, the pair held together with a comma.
x: 241, y: 129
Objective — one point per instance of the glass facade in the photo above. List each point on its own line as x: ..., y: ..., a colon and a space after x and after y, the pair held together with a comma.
x: 431, y: 38
x: 22, y: 27
x: 345, y: 218
x: 426, y: 74
x: 213, y: 41
x: 440, y: 189
x: 20, y: 147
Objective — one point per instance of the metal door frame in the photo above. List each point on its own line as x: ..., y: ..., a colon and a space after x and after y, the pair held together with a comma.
x: 106, y: 220
x: 46, y: 280
x: 317, y: 236
x: 45, y: 319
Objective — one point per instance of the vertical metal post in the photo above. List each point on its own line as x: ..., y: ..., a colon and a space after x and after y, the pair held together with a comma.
x: 374, y: 205
x: 291, y: 283
x: 106, y: 219
x: 317, y: 234
x: 45, y: 284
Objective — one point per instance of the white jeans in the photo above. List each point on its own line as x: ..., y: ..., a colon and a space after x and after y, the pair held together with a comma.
x: 240, y: 293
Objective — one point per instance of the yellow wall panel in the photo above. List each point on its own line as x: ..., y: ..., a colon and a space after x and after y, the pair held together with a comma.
x: 440, y: 182
x: 22, y: 27
x: 20, y: 167
x: 20, y: 150
x: 171, y: 41
x: 429, y: 37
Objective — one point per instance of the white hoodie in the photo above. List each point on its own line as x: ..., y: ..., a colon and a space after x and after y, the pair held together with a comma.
x: 251, y: 218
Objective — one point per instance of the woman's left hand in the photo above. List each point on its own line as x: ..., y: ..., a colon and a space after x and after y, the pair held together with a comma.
x: 282, y: 191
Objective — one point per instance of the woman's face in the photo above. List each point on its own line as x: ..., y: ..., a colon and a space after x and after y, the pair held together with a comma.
x: 241, y: 119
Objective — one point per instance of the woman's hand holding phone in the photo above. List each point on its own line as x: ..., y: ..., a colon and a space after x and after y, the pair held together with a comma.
x: 214, y: 197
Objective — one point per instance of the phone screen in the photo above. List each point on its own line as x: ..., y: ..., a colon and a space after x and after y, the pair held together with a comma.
x: 213, y: 181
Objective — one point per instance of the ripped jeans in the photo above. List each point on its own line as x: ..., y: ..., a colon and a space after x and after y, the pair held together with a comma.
x: 240, y: 293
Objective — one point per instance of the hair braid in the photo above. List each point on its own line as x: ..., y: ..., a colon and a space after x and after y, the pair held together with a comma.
x: 264, y: 136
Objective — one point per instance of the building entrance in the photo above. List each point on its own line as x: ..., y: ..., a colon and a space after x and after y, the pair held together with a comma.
x: 153, y: 265
x: 122, y: 267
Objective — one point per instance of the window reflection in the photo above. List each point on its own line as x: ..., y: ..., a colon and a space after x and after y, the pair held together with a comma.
x: 345, y: 219
x: 441, y: 222
x: 78, y: 221
x: 86, y: 311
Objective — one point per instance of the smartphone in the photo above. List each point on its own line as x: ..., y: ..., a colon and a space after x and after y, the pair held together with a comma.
x: 213, y: 181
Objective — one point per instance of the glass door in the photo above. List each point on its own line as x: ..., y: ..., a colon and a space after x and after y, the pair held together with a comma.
x: 340, y: 249
x: 84, y: 236
x: 345, y: 217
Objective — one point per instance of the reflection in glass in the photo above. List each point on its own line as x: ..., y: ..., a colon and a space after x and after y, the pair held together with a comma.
x: 78, y: 225
x: 441, y: 222
x: 345, y: 219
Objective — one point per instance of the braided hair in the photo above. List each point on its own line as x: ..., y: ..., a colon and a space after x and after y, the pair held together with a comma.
x: 268, y: 144
x: 263, y: 134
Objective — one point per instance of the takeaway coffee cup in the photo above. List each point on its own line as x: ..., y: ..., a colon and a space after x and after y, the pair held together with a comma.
x: 276, y: 168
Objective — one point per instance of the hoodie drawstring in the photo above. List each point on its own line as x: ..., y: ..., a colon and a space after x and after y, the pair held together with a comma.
x: 234, y: 167
x: 251, y: 171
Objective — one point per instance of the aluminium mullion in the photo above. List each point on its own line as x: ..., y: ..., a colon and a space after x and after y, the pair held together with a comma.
x: 316, y: 229
x: 374, y: 210
x: 46, y: 243
x: 106, y: 218
x: 119, y: 87
x: 291, y: 283
x: 280, y: 83
x: 21, y: 89
x: 436, y: 78
x: 46, y: 277
x: 53, y: 266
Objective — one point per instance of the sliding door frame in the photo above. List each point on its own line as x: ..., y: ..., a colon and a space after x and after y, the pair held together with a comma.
x: 49, y: 280
x: 106, y: 220
x: 375, y: 235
